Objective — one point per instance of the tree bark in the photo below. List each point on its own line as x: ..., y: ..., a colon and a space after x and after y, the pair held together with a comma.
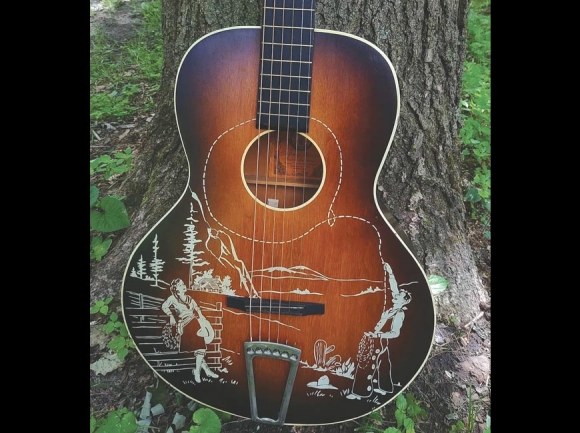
x: 420, y: 183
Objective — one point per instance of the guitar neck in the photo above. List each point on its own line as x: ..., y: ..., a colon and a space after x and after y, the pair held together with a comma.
x: 286, y: 65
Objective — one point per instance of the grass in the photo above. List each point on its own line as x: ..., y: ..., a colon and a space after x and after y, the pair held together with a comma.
x: 123, y: 75
x: 476, y: 113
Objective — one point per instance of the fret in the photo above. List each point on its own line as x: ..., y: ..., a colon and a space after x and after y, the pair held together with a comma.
x: 294, y: 21
x: 273, y: 107
x: 274, y: 26
x: 281, y: 67
x: 292, y: 9
x: 287, y: 96
x: 286, y: 65
x: 287, y: 90
x: 290, y: 83
x: 304, y: 62
x: 285, y: 103
x: 275, y: 116
x: 291, y: 91
x: 286, y: 53
x: 284, y: 75
x: 288, y: 44
x: 309, y: 4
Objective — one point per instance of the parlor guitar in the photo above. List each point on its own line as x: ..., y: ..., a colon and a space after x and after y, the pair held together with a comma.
x: 275, y: 289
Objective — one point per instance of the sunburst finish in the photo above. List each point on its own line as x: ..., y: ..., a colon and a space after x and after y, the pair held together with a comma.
x: 223, y: 268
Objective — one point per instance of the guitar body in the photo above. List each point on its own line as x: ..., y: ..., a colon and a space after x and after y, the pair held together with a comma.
x: 263, y: 291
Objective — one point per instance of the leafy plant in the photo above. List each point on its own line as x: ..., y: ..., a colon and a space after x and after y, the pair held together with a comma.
x: 101, y: 306
x: 437, y: 283
x: 371, y: 422
x: 109, y: 213
x: 119, y: 421
x: 476, y: 112
x: 99, y: 247
x: 407, y: 414
x: 206, y: 420
x: 472, y: 412
x: 106, y: 215
x: 121, y: 342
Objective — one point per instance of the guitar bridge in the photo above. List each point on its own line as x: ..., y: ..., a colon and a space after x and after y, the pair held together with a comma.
x: 274, y: 351
x: 274, y: 306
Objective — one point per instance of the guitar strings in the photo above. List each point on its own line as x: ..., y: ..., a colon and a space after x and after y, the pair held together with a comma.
x: 264, y: 210
x: 277, y: 160
x: 276, y: 150
x: 301, y: 245
x: 287, y: 149
x: 256, y: 188
x: 276, y: 146
x: 267, y: 188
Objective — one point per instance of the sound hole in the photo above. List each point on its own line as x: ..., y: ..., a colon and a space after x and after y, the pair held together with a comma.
x: 283, y: 170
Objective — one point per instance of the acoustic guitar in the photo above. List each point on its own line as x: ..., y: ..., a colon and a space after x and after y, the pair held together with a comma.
x: 275, y: 289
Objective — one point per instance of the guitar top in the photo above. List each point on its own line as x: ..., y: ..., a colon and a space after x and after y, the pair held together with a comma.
x: 275, y: 289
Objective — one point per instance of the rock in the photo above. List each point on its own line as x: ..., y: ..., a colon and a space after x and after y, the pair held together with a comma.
x: 477, y: 366
x: 106, y: 364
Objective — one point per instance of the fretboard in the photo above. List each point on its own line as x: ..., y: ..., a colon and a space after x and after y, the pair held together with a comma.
x: 286, y: 65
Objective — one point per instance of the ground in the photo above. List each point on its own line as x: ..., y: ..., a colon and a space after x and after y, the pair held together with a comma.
x: 458, y: 366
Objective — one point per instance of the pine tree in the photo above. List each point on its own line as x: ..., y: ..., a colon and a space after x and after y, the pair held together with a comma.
x: 192, y: 257
x: 156, y: 264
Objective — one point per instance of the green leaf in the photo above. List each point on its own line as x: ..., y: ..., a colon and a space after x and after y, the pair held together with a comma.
x: 123, y: 330
x: 122, y: 353
x: 114, y: 316
x: 128, y: 423
x: 95, y: 308
x: 116, y: 343
x: 109, y: 327
x: 401, y: 402
x: 99, y: 247
x: 415, y: 411
x: 437, y: 284
x: 94, y: 195
x: 459, y: 426
x: 93, y: 424
x: 96, y: 241
x: 472, y: 195
x: 207, y: 420
x: 113, y: 216
x: 400, y: 417
x: 392, y: 430
x: 104, y: 309
x: 409, y: 425
x: 121, y: 421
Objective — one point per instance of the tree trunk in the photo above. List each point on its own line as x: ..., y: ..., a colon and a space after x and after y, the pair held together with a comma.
x: 420, y: 181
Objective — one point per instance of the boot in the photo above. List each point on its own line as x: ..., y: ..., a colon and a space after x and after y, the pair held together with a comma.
x: 207, y: 370
x: 197, y: 369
